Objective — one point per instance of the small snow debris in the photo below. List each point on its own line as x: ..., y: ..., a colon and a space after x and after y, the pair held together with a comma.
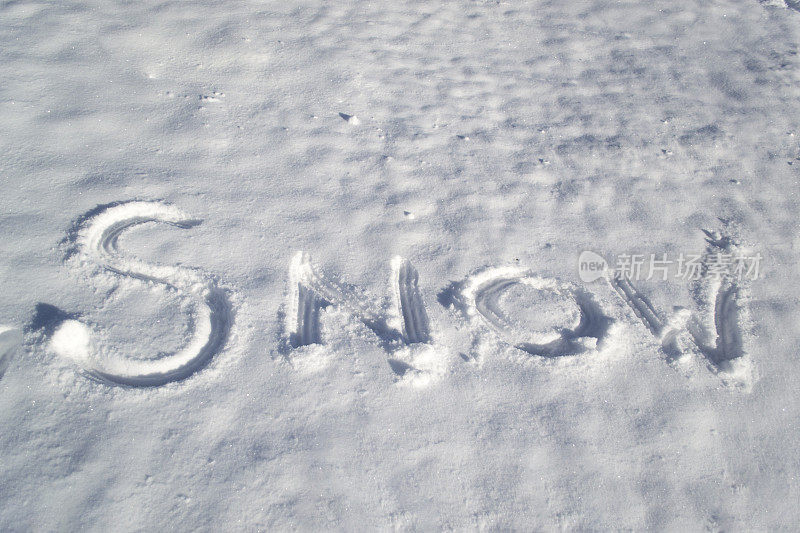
x: 350, y: 119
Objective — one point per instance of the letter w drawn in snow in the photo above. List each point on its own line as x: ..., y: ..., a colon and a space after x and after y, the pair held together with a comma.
x: 310, y: 291
x: 716, y: 330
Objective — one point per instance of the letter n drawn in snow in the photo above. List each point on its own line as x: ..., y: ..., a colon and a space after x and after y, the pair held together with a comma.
x: 310, y: 291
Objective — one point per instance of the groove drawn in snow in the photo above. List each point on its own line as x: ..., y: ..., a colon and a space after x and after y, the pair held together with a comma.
x: 10, y: 342
x: 668, y: 333
x: 408, y: 301
x: 566, y: 320
x: 95, y: 239
x: 310, y: 291
x: 639, y: 303
x: 718, y: 330
x: 726, y: 318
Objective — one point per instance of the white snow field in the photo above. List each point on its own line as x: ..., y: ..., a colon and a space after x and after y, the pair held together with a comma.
x: 314, y: 266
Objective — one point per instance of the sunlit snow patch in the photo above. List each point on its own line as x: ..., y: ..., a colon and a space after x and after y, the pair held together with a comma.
x: 72, y: 340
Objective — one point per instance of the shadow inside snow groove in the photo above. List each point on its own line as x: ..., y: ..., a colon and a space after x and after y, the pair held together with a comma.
x: 726, y: 318
x: 593, y: 323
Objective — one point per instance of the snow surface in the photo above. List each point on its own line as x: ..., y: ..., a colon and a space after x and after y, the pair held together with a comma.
x: 297, y: 265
